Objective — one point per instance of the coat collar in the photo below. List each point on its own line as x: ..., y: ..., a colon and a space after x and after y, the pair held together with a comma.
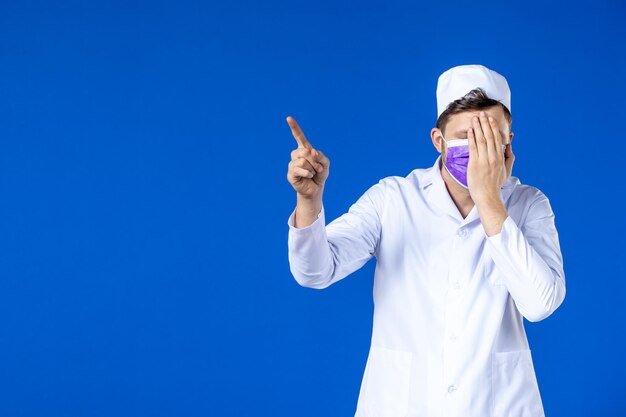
x: 436, y: 193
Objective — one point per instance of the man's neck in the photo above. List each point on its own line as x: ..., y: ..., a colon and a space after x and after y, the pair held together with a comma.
x: 460, y: 195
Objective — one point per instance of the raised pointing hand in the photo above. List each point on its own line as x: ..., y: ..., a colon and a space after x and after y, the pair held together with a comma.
x: 309, y: 168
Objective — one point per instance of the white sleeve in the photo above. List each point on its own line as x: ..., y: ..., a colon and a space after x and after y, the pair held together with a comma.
x: 530, y: 261
x: 320, y: 255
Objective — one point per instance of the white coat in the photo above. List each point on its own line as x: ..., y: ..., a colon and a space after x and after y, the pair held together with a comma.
x: 448, y: 336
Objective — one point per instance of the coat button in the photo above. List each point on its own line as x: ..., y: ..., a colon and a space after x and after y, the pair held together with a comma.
x: 462, y: 232
x: 451, y: 388
x: 457, y: 285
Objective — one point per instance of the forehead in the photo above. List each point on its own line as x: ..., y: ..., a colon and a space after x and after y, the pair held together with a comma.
x: 463, y: 121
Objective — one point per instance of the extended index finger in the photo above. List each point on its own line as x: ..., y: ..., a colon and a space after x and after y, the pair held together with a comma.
x: 297, y: 133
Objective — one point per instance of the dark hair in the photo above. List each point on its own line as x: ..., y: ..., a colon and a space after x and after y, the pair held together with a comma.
x: 474, y: 100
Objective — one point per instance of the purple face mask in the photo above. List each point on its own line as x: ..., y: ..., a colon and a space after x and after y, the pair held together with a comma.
x: 457, y: 159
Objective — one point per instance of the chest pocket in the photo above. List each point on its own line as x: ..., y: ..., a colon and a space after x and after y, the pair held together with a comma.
x: 514, y: 385
x: 388, y: 375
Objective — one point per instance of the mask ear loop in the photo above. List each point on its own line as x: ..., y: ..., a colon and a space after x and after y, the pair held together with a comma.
x: 444, y: 139
x: 442, y: 150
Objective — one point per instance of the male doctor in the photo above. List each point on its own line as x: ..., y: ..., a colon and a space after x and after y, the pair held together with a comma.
x: 464, y: 251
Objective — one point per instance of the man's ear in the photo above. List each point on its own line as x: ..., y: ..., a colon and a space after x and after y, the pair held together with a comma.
x: 435, y: 136
x: 511, y: 137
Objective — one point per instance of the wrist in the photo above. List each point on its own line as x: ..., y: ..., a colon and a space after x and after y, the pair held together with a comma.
x: 493, y: 214
x: 309, y: 199
x: 309, y: 206
x: 487, y: 198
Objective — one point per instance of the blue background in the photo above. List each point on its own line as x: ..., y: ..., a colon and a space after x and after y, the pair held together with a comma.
x: 144, y: 199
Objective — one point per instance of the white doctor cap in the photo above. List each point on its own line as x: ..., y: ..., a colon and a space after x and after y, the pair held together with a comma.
x: 460, y: 80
